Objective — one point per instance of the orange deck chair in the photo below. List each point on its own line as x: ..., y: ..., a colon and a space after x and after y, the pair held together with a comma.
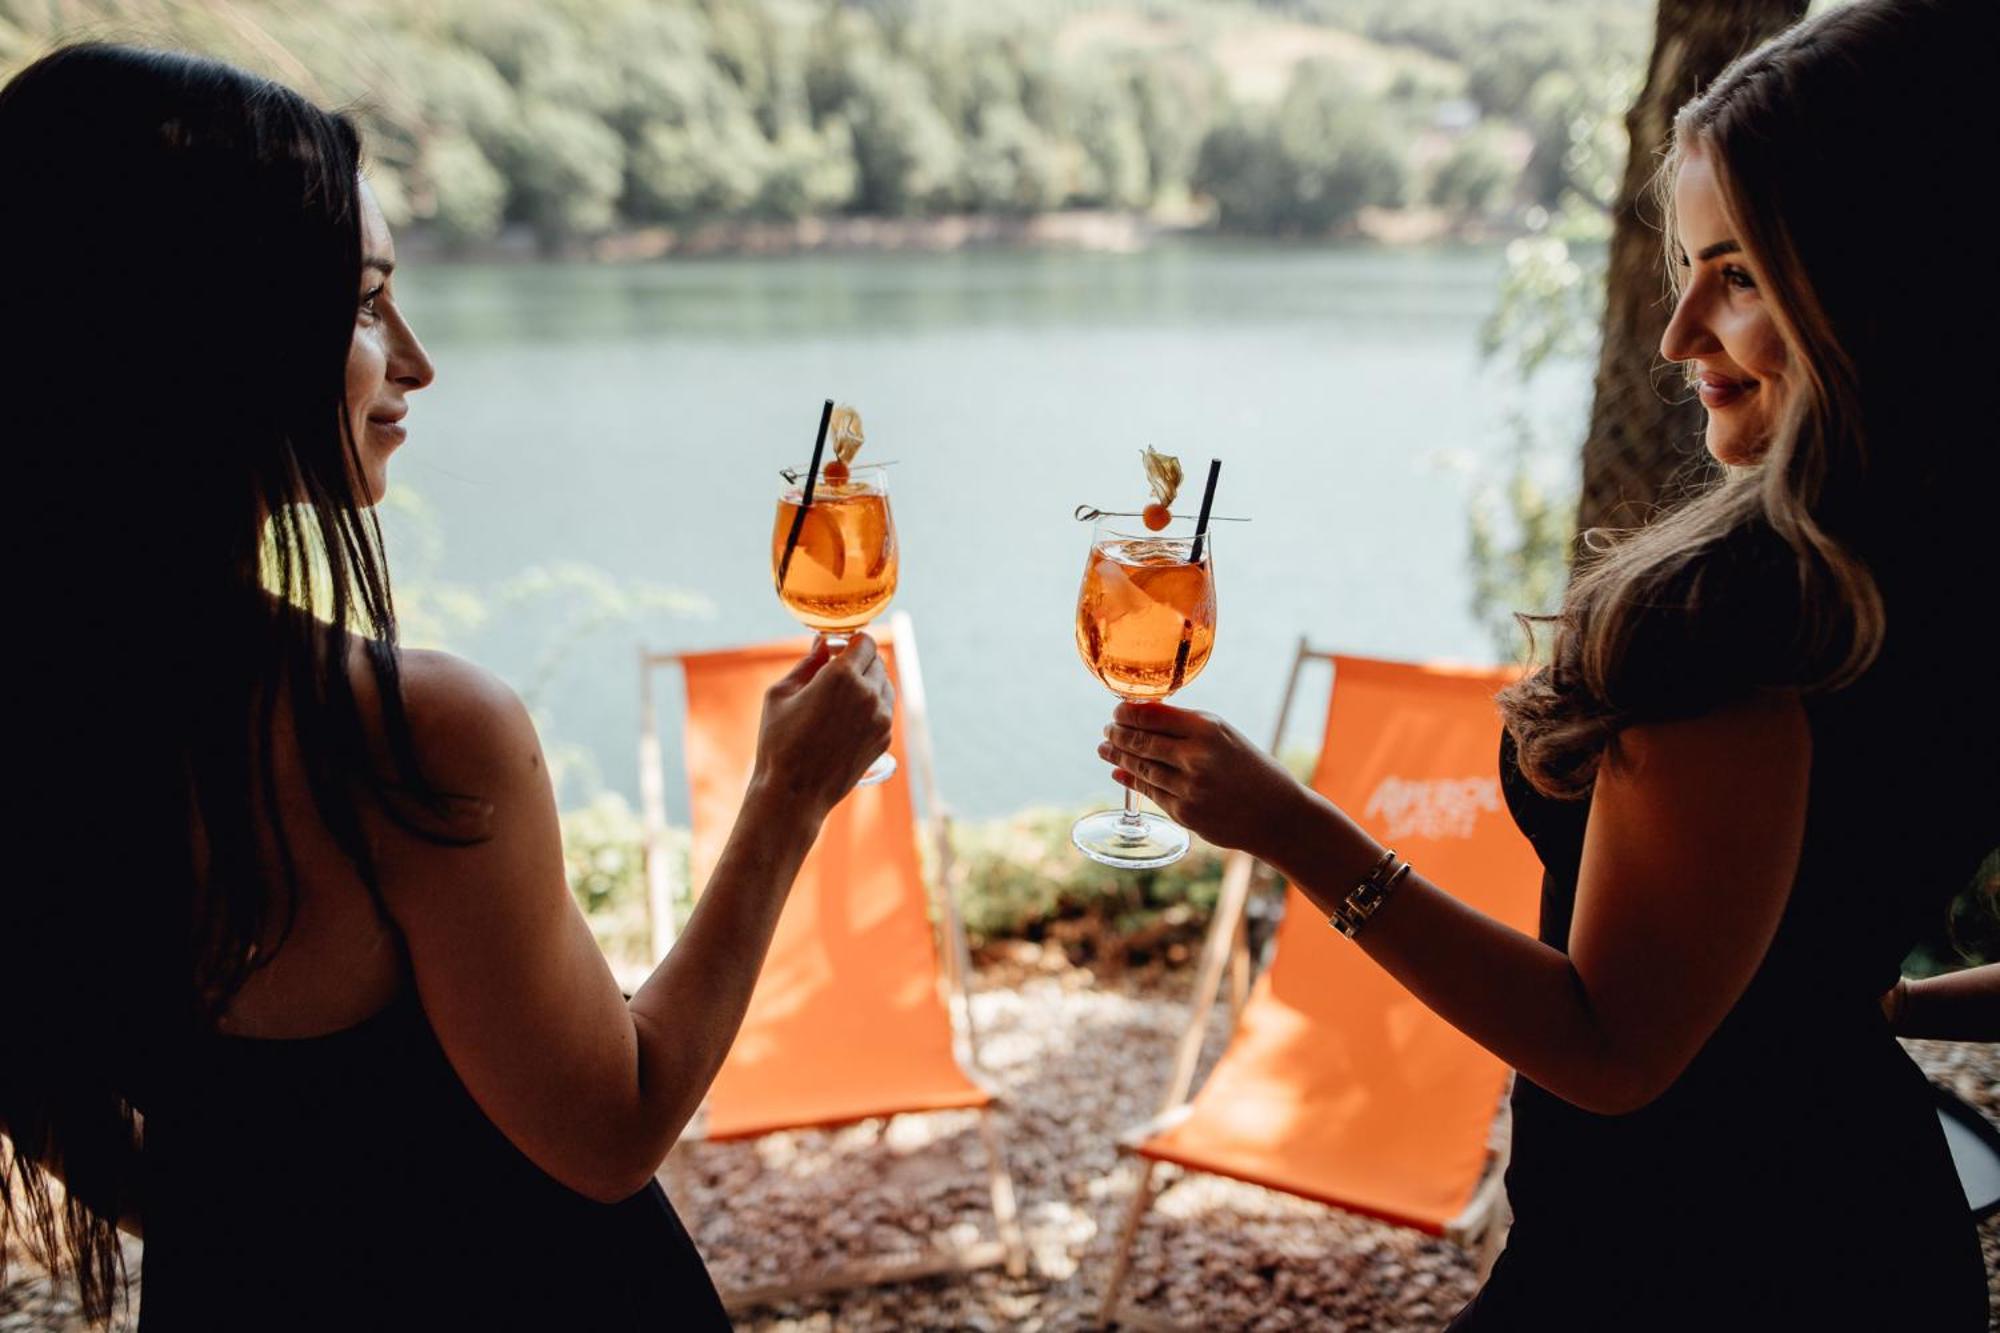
x: 1337, y: 1085
x: 852, y: 1014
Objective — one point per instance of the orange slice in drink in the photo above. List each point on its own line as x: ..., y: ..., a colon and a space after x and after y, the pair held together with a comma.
x: 1181, y: 587
x: 820, y: 541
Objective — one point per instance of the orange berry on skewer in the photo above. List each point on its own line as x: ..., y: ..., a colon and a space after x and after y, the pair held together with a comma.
x: 1156, y: 516
x: 834, y: 473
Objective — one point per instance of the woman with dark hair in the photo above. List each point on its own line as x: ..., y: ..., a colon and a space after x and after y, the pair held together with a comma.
x: 290, y: 978
x: 1765, y: 752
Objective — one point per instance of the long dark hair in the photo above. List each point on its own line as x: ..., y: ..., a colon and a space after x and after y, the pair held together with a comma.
x: 1845, y: 149
x: 183, y: 249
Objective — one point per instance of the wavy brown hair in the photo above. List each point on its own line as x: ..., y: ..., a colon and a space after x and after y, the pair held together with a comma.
x: 1843, y: 149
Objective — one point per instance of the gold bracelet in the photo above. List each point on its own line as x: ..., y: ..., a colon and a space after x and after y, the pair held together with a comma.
x: 1365, y: 899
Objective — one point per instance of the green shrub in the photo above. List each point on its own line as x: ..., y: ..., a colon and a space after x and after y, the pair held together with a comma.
x: 604, y: 860
x: 1016, y: 878
x: 1020, y: 879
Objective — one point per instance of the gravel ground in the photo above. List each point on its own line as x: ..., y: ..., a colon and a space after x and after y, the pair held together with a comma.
x: 1078, y: 1060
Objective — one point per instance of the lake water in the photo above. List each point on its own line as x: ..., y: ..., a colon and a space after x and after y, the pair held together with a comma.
x: 599, y: 435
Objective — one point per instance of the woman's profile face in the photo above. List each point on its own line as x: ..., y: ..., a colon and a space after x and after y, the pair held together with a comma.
x: 1723, y: 329
x: 385, y: 362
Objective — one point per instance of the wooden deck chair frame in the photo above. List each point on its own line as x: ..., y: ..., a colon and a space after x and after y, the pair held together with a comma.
x: 1480, y: 1228
x: 1009, y: 1249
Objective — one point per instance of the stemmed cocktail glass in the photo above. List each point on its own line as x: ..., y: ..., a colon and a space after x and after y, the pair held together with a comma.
x: 841, y: 571
x: 1145, y: 626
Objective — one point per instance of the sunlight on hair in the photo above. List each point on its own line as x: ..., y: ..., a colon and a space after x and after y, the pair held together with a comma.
x: 311, y: 590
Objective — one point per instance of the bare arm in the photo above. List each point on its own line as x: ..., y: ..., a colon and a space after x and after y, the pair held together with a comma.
x: 595, y: 1090
x: 1691, y: 848
x: 1957, y: 1006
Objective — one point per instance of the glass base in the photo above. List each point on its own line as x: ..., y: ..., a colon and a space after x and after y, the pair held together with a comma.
x: 1129, y: 842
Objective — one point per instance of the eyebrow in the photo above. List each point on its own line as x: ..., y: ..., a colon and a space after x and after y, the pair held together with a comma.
x: 387, y: 266
x: 1708, y: 252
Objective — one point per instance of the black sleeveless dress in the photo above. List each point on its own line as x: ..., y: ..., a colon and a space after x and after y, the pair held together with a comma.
x: 1794, y: 1176
x: 350, y: 1182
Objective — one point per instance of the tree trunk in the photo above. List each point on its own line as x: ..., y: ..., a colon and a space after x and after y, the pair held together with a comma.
x: 1644, y: 435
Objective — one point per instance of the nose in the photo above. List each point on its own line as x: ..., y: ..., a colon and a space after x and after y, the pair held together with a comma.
x: 409, y: 364
x: 1687, y: 334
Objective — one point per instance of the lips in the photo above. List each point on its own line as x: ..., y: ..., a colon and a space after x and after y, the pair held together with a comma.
x: 390, y: 424
x: 1719, y: 390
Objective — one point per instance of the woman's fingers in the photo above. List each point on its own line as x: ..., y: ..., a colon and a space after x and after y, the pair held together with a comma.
x: 1153, y: 772
x: 1157, y: 758
x: 860, y: 652
x: 1145, y: 744
x: 804, y: 669
x: 1160, y: 719
x: 1159, y: 796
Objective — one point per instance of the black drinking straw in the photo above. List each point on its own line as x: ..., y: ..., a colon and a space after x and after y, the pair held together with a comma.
x: 1200, y: 536
x: 1207, y: 503
x: 812, y: 476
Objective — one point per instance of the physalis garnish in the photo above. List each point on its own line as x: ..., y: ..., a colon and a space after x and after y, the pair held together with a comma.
x: 845, y: 431
x: 1163, y: 474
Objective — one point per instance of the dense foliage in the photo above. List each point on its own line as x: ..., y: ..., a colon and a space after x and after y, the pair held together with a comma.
x: 1015, y: 879
x: 575, y: 117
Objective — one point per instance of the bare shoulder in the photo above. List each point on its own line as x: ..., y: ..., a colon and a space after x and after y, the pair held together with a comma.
x: 479, y: 758
x: 451, y: 699
x: 1763, y: 732
x: 471, y: 731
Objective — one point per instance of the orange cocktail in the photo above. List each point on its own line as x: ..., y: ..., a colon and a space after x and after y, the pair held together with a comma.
x: 1145, y: 618
x: 843, y: 570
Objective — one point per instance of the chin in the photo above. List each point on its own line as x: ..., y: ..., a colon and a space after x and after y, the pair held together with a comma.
x: 370, y: 482
x: 1736, y: 447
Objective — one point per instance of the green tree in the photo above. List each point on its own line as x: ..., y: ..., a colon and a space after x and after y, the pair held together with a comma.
x: 1175, y: 103
x: 1242, y: 167
x: 705, y: 154
x: 567, y: 168
x: 539, y: 50
x: 1308, y: 169
x: 679, y: 173
x: 1476, y: 177
x: 469, y: 195
x: 1502, y: 70
x: 1117, y: 169
x: 1341, y: 155
x: 459, y: 89
x: 811, y: 173
x: 657, y: 61
x: 1009, y: 166
x: 908, y: 154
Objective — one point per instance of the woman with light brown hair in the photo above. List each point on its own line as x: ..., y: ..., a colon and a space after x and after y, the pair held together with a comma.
x: 1764, y: 753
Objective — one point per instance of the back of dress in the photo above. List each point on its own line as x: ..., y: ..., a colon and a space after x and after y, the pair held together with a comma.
x: 350, y: 1181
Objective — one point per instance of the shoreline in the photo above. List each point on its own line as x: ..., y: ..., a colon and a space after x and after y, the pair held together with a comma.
x: 1082, y: 231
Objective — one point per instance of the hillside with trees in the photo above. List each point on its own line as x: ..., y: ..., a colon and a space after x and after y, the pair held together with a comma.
x: 576, y: 118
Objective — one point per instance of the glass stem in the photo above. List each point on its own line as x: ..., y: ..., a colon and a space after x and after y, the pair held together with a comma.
x: 1130, y: 820
x: 836, y: 644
